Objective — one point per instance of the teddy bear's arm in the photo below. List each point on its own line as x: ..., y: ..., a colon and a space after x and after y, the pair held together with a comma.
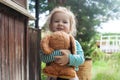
x: 72, y: 44
x: 45, y: 45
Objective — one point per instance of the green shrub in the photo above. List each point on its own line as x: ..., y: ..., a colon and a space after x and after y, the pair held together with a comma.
x: 43, y: 77
x: 97, y: 55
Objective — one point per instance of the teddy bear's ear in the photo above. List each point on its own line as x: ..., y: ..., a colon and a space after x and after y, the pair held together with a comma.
x: 72, y: 44
x: 44, y: 44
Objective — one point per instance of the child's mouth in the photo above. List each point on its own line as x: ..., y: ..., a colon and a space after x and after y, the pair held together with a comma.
x: 59, y: 29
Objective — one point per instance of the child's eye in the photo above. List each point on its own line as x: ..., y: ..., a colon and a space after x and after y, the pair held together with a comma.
x: 56, y: 21
x: 65, y: 22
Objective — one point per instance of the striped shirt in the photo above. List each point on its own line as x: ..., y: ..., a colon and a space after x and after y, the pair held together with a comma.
x: 74, y: 59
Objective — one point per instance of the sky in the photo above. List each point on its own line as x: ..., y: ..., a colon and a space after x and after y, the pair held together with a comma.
x: 112, y: 26
x: 42, y: 19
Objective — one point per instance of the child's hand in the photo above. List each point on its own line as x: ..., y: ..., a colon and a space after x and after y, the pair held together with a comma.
x: 64, y: 59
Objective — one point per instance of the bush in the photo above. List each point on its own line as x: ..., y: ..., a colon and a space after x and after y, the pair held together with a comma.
x: 43, y: 77
x: 97, y: 55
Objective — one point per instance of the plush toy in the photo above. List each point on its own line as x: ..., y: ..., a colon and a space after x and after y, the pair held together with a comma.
x: 56, y: 41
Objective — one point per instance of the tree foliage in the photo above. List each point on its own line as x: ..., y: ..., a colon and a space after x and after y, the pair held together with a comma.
x: 89, y: 14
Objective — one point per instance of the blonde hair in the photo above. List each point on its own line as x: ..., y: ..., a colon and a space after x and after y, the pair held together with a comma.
x: 69, y: 13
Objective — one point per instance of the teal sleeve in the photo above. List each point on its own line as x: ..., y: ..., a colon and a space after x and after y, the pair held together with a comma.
x: 49, y: 58
x: 78, y: 58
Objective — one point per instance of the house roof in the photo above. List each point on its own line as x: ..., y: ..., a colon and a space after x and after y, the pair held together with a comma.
x: 18, y: 8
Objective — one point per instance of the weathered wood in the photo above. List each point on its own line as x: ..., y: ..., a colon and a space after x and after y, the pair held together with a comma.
x: 1, y: 46
x: 3, y: 50
x: 17, y: 8
x: 21, y: 3
x: 6, y: 27
x: 12, y: 46
x: 34, y: 62
x: 19, y: 48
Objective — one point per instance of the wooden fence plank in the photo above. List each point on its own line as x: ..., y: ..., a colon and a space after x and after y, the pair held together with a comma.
x: 6, y: 25
x: 34, y: 63
x: 21, y: 28
x: 3, y: 50
x: 0, y: 46
x: 17, y: 48
x: 31, y: 56
x: 11, y: 48
x: 19, y: 57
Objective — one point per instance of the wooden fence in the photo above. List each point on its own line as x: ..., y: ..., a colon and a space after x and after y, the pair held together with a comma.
x: 19, y: 46
x: 34, y: 63
x: 12, y: 47
x: 19, y: 61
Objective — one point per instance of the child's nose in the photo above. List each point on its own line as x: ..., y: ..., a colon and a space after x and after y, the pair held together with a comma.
x: 60, y: 23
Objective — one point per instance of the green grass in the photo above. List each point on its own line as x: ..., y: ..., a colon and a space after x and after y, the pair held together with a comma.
x: 98, y: 66
x: 107, y: 69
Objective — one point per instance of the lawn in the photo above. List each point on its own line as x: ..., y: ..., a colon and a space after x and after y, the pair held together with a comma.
x: 107, y: 69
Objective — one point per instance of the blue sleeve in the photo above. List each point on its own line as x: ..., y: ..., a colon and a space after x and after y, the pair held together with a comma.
x: 49, y: 58
x: 78, y: 58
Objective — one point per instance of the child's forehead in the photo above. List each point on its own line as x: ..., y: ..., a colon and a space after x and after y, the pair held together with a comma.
x: 60, y: 15
x: 62, y: 12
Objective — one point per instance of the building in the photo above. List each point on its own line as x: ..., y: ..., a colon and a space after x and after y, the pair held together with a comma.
x: 109, y: 43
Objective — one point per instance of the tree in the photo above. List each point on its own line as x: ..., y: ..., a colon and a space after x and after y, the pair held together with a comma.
x: 89, y: 14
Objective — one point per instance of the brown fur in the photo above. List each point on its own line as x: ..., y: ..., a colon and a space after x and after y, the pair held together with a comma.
x: 58, y: 40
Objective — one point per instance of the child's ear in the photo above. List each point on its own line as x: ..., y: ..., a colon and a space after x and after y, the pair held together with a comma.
x: 45, y: 45
x: 72, y: 44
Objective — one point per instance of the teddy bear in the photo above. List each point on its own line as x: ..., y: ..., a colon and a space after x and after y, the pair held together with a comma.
x: 56, y: 41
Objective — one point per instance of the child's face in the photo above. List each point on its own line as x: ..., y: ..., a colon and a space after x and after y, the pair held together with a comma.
x: 60, y: 22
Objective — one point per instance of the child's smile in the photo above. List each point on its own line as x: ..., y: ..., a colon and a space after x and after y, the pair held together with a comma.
x: 60, y: 22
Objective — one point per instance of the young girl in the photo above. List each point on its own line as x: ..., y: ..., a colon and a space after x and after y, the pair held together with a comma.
x: 62, y: 19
